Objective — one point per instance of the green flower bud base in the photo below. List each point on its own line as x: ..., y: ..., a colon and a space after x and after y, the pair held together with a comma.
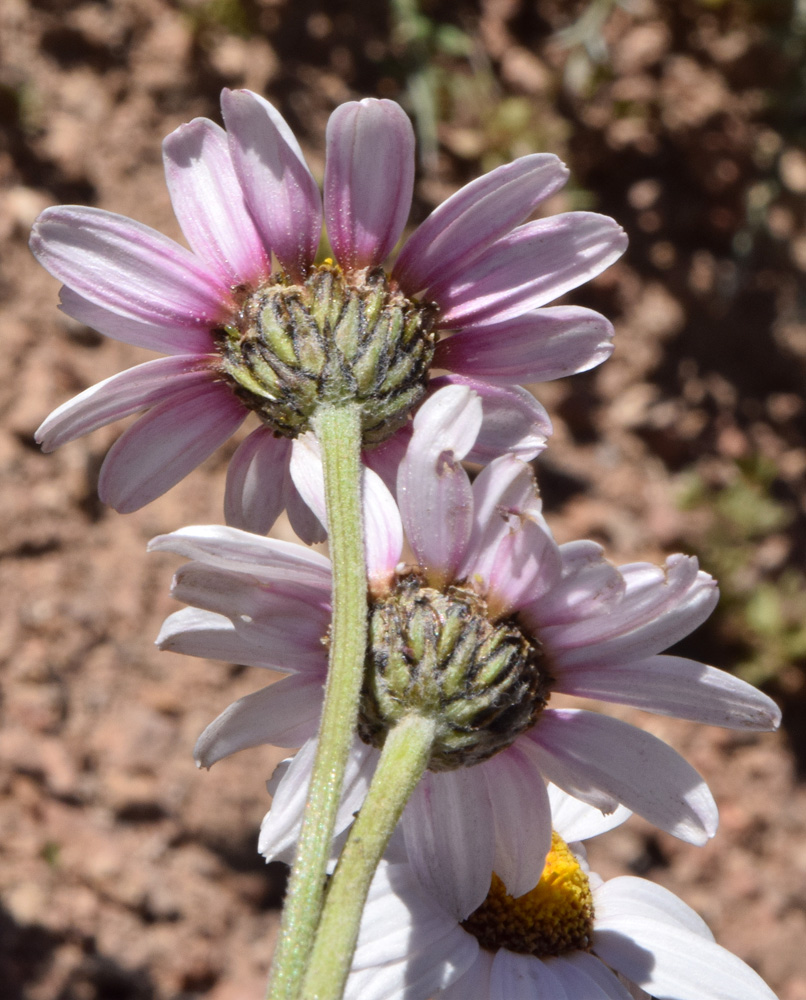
x: 439, y: 654
x: 334, y: 339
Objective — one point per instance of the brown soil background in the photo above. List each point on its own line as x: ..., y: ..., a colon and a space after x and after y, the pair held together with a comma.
x: 125, y: 874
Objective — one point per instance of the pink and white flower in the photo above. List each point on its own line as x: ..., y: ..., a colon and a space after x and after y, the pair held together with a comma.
x: 644, y: 940
x: 600, y: 630
x: 251, y: 210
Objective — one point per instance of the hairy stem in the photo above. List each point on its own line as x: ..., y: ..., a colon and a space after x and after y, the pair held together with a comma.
x: 338, y: 429
x: 405, y: 757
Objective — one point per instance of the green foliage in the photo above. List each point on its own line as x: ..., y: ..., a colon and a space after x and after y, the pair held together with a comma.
x: 762, y: 611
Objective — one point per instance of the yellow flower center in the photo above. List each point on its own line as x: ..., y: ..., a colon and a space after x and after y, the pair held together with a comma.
x: 554, y: 918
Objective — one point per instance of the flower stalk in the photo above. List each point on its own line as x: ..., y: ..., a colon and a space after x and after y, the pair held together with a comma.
x: 338, y: 429
x: 404, y: 758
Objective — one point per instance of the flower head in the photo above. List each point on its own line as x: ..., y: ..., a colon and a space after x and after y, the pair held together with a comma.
x: 571, y: 935
x: 251, y: 322
x: 492, y: 604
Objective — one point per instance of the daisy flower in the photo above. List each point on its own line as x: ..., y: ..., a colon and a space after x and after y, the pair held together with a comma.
x: 490, y: 621
x: 573, y: 935
x: 250, y: 322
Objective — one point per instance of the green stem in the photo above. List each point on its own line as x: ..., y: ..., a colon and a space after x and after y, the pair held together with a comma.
x: 338, y: 430
x: 405, y: 757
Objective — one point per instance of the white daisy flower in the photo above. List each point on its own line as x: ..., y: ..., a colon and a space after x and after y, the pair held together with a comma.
x: 574, y: 936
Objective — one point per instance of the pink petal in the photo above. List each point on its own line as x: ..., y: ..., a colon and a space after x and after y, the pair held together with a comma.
x: 385, y: 459
x: 473, y: 218
x: 433, y: 489
x: 166, y: 444
x: 599, y: 759
x: 523, y: 819
x: 513, y: 422
x: 671, y: 685
x: 539, y: 346
x: 288, y: 622
x: 122, y: 394
x: 280, y: 191
x: 176, y: 336
x: 535, y: 264
x: 268, y: 559
x: 511, y: 553
x: 129, y: 268
x: 450, y: 808
x: 285, y: 713
x: 209, y: 204
x: 369, y: 178
x: 254, y: 495
x: 589, y: 586
x: 304, y: 522
x: 660, y: 607
x: 209, y: 636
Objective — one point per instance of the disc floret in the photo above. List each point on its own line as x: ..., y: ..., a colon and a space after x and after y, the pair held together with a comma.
x: 335, y: 337
x: 437, y: 652
x: 554, y: 918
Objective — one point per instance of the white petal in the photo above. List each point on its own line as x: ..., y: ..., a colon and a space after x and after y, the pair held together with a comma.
x: 640, y: 898
x: 268, y: 559
x: 450, y: 808
x: 597, y: 759
x: 523, y: 819
x: 279, y: 831
x: 671, y: 685
x: 667, y: 961
x: 523, y: 977
x: 284, y: 714
x: 576, y: 820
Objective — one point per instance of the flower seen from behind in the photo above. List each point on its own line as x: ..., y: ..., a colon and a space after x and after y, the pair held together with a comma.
x: 250, y: 322
x: 491, y: 620
x: 572, y: 935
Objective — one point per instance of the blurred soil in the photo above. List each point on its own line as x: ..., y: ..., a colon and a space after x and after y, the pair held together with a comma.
x: 125, y: 874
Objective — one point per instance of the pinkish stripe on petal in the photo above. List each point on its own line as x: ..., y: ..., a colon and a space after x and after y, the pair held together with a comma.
x: 167, y: 336
x: 122, y: 394
x: 269, y: 559
x: 433, y: 489
x: 446, y: 809
x: 253, y: 499
x: 385, y: 459
x: 513, y: 422
x: 671, y: 685
x: 166, y: 444
x: 280, y: 191
x: 523, y: 820
x: 469, y: 221
x: 369, y: 178
x: 539, y: 346
x: 535, y: 264
x: 209, y: 204
x: 597, y: 759
x: 283, y: 714
x: 128, y: 268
